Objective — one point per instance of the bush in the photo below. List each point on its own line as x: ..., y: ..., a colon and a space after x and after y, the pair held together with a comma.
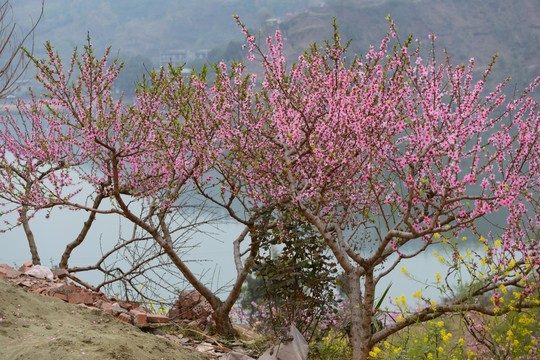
x: 294, y: 286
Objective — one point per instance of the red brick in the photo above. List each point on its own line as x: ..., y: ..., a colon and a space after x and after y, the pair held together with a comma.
x: 61, y: 296
x: 155, y: 318
x: 124, y: 317
x: 128, y: 305
x: 27, y: 265
x: 60, y: 273
x: 139, y: 318
x: 25, y: 282
x: 7, y: 271
x: 113, y: 309
x: 188, y: 298
x: 66, y: 289
x: 41, y: 290
x: 108, y: 308
x: 174, y: 313
x: 80, y: 298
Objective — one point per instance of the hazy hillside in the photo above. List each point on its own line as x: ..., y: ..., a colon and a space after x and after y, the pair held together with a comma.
x: 146, y: 32
x: 142, y: 27
x: 467, y: 28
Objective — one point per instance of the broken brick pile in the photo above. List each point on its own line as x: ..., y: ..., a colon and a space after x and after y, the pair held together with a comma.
x: 41, y: 280
x: 192, y: 309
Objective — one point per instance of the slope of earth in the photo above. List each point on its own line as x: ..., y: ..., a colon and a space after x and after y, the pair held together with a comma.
x: 40, y: 327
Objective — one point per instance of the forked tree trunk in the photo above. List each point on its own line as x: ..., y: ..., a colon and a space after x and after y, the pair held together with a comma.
x: 223, y: 322
x: 221, y: 312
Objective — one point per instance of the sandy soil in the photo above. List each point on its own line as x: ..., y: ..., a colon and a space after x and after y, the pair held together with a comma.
x: 40, y: 327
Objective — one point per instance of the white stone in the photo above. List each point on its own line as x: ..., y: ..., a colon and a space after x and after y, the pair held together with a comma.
x: 40, y: 272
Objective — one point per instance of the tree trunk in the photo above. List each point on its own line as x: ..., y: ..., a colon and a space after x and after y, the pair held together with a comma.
x: 224, y: 325
x: 82, y: 235
x: 367, y: 314
x: 355, y: 295
x: 30, y: 236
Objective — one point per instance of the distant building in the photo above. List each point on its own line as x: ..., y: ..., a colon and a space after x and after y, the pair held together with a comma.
x: 272, y: 22
x: 182, y: 56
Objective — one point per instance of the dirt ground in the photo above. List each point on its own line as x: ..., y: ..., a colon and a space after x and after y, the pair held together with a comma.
x: 41, y: 327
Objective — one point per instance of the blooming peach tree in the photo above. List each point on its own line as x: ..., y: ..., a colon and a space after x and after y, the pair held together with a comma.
x: 388, y: 155
x: 78, y: 145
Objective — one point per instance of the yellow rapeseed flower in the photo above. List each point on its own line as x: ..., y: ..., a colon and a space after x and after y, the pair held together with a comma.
x: 446, y: 337
x: 375, y: 352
